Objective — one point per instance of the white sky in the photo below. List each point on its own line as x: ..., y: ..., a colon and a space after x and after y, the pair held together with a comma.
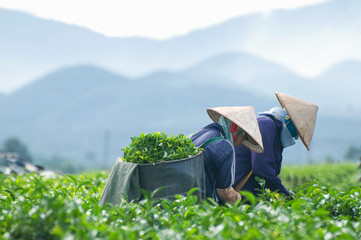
x: 159, y: 19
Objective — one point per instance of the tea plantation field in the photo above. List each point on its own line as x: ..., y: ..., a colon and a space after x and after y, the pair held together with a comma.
x: 326, y: 204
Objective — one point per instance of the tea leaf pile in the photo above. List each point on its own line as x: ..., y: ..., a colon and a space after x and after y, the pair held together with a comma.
x: 157, y: 147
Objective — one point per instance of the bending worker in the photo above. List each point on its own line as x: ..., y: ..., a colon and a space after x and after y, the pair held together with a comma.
x: 233, y: 126
x: 280, y: 127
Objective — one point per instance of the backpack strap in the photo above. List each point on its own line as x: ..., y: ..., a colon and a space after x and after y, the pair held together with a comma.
x: 210, y: 141
x: 243, y: 181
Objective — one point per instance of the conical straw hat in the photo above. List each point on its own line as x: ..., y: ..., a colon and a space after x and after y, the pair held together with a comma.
x: 245, y: 118
x: 303, y: 115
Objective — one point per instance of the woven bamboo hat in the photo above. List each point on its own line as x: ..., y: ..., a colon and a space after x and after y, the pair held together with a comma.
x: 303, y: 115
x: 243, y: 117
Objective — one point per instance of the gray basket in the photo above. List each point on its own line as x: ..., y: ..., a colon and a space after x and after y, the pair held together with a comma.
x: 177, y: 177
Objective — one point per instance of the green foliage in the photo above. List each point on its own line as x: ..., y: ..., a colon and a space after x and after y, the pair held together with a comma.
x: 157, y: 147
x: 66, y: 207
x: 340, y: 175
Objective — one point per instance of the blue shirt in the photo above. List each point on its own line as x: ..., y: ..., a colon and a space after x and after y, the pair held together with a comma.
x: 218, y: 158
x: 266, y: 165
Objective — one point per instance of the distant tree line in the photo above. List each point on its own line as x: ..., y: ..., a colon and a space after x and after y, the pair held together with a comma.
x: 15, y: 145
x: 353, y: 153
x: 56, y: 163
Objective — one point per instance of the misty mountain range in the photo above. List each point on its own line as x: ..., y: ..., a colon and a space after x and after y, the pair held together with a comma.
x: 69, y: 111
x: 307, y: 38
x: 91, y: 85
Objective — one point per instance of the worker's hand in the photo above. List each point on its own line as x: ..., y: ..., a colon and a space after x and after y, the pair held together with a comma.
x: 229, y: 195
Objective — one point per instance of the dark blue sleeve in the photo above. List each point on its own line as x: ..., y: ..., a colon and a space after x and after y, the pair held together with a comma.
x: 265, y: 165
x: 221, y: 155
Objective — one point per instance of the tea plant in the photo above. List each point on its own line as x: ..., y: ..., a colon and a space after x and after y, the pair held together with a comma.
x: 341, y: 175
x: 66, y: 207
x: 157, y: 147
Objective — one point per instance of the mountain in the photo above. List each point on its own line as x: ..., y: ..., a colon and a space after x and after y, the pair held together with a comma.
x: 70, y: 111
x: 305, y: 40
x: 342, y: 81
x: 67, y: 112
x: 59, y: 90
x: 253, y: 73
x: 84, y: 89
x: 336, y: 91
x: 39, y: 46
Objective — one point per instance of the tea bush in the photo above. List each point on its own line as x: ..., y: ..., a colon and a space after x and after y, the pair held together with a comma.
x: 340, y: 175
x: 66, y: 207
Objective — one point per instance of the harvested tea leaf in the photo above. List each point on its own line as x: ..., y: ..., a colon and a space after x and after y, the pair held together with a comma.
x: 157, y: 147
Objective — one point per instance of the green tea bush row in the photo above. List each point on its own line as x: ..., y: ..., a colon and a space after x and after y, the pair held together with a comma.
x: 340, y: 175
x: 66, y: 207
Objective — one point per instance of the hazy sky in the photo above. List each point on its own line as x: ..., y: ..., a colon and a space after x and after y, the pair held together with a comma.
x: 158, y: 19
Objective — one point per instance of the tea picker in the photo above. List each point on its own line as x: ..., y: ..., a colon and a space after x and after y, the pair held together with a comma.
x: 233, y: 126
x: 211, y: 171
x: 280, y: 127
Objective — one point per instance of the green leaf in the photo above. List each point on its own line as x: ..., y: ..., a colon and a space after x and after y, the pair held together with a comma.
x: 248, y: 197
x: 146, y: 194
x: 190, y: 192
x: 156, y: 191
x: 72, y: 178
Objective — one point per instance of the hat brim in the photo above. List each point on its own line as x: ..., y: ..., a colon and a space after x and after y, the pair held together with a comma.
x: 302, y: 113
x: 245, y: 118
